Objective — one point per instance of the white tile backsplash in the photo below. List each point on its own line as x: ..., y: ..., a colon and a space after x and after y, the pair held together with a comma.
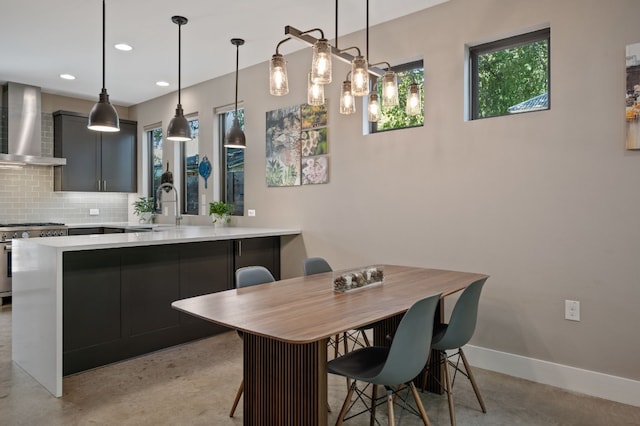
x: 26, y: 194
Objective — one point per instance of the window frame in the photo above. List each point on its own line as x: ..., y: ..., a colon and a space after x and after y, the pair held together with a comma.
x: 183, y: 171
x: 150, y: 149
x: 407, y: 66
x: 506, y: 43
x: 223, y: 155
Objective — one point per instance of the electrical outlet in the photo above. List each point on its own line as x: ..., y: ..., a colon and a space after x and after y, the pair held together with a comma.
x: 572, y: 310
x: 251, y: 212
x: 94, y: 212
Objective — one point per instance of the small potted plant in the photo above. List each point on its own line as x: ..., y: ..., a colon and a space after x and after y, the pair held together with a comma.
x: 145, y: 208
x: 220, y: 213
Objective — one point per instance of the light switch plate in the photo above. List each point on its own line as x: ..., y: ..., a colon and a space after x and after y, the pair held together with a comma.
x: 94, y: 212
x: 251, y: 212
x: 572, y: 310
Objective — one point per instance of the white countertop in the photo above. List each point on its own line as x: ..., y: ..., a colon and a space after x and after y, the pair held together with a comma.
x: 160, y: 234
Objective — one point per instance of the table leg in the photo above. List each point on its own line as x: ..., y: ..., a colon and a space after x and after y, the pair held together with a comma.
x: 285, y: 384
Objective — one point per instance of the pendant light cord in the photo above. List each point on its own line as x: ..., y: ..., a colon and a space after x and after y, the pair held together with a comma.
x: 337, y: 25
x: 179, y: 60
x: 104, y: 85
x: 367, y: 30
x: 235, y: 114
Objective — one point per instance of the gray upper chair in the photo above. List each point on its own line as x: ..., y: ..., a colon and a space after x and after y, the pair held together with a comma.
x: 246, y: 277
x: 315, y: 265
x: 392, y: 366
x: 253, y: 275
x: 456, y: 334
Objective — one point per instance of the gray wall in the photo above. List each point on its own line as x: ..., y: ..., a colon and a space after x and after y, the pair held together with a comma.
x: 546, y: 203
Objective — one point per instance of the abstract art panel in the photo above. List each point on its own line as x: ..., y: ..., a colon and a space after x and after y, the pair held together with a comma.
x: 315, y: 170
x: 297, y: 146
x: 632, y: 97
x: 283, y: 147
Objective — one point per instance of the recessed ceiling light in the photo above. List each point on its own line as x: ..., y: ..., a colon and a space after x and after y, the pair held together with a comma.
x: 67, y: 76
x: 162, y: 83
x: 123, y: 46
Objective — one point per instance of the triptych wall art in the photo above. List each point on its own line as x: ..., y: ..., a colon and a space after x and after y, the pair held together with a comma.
x: 297, y: 146
x: 632, y: 96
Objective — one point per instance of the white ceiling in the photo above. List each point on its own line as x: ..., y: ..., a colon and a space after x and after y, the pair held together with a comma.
x: 41, y: 39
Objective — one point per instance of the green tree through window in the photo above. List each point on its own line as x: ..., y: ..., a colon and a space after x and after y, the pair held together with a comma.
x: 509, y: 72
x: 233, y: 167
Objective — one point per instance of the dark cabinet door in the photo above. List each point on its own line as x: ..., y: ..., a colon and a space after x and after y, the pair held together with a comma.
x: 96, y: 161
x: 118, y: 159
x: 80, y: 146
x: 91, y: 314
x: 263, y: 251
x: 205, y: 268
x: 150, y: 282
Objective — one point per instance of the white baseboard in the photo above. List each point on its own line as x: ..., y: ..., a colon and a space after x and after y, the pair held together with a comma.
x: 592, y: 383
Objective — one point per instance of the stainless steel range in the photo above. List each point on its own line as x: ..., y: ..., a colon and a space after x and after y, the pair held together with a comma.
x: 13, y: 231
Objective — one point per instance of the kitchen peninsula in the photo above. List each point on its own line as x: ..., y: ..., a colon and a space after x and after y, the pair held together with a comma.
x: 88, y: 300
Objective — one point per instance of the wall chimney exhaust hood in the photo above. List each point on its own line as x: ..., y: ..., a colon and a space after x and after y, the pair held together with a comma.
x: 21, y: 127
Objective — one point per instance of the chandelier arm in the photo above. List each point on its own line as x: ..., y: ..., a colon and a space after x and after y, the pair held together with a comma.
x: 312, y: 30
x: 349, y: 48
x: 310, y: 40
x: 281, y: 42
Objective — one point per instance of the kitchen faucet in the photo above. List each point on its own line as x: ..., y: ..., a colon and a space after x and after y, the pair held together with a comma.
x: 176, y: 200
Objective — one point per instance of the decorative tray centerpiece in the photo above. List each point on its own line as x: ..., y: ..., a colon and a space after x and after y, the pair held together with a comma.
x: 355, y: 279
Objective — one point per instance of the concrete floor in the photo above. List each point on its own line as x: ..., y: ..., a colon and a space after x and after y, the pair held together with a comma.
x: 194, y: 384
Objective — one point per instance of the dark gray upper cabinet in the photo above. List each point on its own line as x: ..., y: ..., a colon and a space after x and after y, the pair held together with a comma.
x: 96, y: 161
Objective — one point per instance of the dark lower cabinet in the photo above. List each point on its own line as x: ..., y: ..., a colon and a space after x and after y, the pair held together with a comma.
x: 117, y: 302
x: 92, y: 321
x: 263, y: 251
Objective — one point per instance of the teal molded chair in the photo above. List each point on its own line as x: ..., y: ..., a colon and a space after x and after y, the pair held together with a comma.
x: 393, y: 366
x: 246, y: 277
x: 315, y: 265
x: 456, y: 334
x: 318, y: 265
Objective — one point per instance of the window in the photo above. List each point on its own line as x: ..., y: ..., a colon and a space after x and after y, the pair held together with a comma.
x: 190, y: 164
x: 154, y: 139
x: 233, y: 165
x: 396, y: 117
x: 510, y: 76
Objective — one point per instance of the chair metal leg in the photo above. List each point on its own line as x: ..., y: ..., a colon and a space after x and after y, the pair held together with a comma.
x: 238, y: 395
x: 392, y: 420
x: 366, y: 339
x: 423, y: 412
x: 447, y: 378
x: 345, y: 405
x: 473, y: 381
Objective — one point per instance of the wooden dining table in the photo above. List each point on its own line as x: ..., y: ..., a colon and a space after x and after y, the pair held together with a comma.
x: 287, y: 324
